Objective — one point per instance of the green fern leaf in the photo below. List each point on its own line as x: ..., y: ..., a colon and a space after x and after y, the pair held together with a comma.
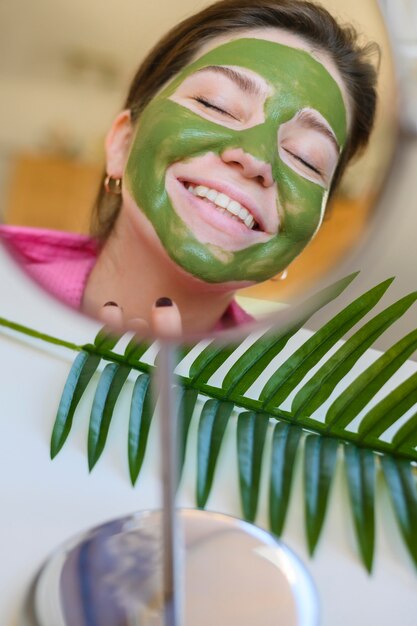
x: 320, y: 449
x: 388, y: 410
x: 183, y: 350
x: 109, y: 387
x: 252, y: 363
x: 141, y: 412
x: 285, y: 440
x: 185, y: 412
x: 251, y: 435
x: 209, y: 361
x: 80, y: 375
x: 257, y: 357
x: 106, y: 339
x: 402, y: 487
x: 360, y: 470
x: 203, y: 359
x: 320, y: 386
x: 320, y: 455
x: 135, y: 349
x: 405, y: 440
x: 287, y: 377
x: 213, y: 421
x: 357, y: 395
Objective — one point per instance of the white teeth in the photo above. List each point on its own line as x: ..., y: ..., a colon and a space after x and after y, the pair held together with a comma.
x: 249, y: 221
x: 201, y: 191
x: 222, y: 200
x: 212, y: 195
x: 224, y: 203
x: 234, y: 207
x: 243, y: 214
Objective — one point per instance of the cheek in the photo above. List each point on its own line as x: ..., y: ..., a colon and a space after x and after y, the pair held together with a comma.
x: 152, y: 149
x: 300, y: 204
x: 169, y: 132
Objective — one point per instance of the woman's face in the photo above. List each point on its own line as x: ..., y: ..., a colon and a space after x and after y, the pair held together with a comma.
x: 232, y: 161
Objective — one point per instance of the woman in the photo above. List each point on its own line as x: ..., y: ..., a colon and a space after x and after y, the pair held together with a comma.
x: 236, y: 129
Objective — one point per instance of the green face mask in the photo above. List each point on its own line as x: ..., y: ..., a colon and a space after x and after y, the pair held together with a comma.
x: 168, y: 132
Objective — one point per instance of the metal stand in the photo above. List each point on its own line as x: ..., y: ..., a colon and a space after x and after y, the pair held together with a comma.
x: 169, y: 448
x: 129, y: 572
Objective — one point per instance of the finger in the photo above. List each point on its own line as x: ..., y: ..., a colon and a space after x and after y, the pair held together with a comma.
x: 166, y: 319
x: 112, y: 316
x: 139, y: 326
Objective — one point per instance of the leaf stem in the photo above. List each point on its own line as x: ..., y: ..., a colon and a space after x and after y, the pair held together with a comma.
x: 30, y: 332
x: 249, y: 404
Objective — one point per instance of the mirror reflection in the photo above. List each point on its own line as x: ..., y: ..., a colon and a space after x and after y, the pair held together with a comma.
x: 231, y: 176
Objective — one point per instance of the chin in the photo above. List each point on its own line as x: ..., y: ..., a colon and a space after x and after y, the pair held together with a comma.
x: 200, y: 284
x: 146, y: 232
x: 225, y: 287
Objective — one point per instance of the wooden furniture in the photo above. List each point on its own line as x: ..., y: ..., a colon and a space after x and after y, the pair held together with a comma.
x: 52, y: 192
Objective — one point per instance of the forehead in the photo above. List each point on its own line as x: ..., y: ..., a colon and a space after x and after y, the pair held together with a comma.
x: 297, y: 79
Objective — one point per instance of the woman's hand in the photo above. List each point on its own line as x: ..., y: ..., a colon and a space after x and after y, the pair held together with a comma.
x: 165, y: 320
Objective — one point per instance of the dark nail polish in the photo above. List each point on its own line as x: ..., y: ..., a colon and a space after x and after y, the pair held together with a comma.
x: 111, y: 303
x: 163, y: 302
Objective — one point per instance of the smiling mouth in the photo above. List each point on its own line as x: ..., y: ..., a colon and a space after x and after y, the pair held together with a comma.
x: 224, y: 204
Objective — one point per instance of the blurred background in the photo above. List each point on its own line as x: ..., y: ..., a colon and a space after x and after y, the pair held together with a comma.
x: 64, y: 71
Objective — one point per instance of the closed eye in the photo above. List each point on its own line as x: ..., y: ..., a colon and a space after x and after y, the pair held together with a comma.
x: 306, y: 163
x: 210, y: 105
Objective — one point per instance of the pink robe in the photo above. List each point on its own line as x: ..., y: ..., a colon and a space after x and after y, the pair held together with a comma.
x: 61, y: 262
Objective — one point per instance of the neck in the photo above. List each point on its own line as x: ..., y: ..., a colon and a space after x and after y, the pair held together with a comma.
x: 134, y: 273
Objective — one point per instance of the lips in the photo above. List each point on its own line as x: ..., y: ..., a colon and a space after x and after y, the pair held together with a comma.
x: 208, y: 224
x: 234, y: 194
x: 226, y: 205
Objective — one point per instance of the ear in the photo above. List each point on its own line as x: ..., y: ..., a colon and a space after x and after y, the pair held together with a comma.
x: 117, y: 144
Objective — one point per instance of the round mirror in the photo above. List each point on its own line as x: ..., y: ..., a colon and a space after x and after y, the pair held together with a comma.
x: 252, y: 183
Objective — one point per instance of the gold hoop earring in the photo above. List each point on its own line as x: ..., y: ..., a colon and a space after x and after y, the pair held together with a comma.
x: 113, y: 185
x: 281, y: 276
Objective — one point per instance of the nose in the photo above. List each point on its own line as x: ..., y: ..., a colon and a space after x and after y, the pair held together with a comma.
x: 249, y: 166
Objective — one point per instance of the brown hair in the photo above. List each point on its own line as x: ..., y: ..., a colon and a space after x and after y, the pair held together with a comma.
x: 311, y: 21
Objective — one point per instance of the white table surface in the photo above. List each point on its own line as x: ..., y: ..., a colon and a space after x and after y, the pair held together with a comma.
x: 45, y: 502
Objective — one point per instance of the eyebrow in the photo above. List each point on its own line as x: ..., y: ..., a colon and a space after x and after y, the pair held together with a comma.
x: 245, y: 83
x: 310, y: 120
